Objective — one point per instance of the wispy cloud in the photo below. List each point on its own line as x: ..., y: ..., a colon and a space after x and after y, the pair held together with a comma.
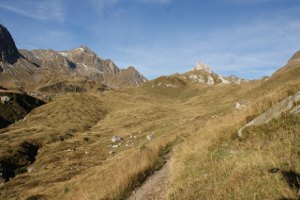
x: 247, y: 2
x: 99, y: 5
x: 102, y: 4
x: 40, y: 10
x: 154, y: 1
x: 239, y: 50
x: 57, y: 39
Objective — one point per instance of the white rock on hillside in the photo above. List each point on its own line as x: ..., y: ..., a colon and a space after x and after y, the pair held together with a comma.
x: 149, y: 137
x: 290, y: 104
x: 116, y: 138
x: 239, y: 106
x: 5, y: 99
x: 210, y: 80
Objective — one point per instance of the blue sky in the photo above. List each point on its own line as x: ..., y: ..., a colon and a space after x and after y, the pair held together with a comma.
x: 248, y: 38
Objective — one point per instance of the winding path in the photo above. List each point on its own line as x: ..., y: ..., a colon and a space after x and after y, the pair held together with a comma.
x: 155, y: 187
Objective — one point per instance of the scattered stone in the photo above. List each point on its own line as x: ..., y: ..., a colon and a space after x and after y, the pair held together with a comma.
x: 31, y: 169
x: 274, y: 170
x: 5, y: 99
x: 111, y: 152
x: 149, y: 137
x: 238, y: 106
x: 116, y: 138
x: 72, y: 149
x: 115, y: 146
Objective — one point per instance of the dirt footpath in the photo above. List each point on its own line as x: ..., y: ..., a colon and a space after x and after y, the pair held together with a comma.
x: 155, y: 187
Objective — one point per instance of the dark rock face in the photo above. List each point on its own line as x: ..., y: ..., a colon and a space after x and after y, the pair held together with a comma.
x: 16, y: 108
x: 8, y: 50
x: 22, y: 157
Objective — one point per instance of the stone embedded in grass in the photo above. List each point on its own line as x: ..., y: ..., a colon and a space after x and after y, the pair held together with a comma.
x: 239, y: 106
x: 5, y: 99
x: 116, y: 138
x: 111, y: 152
x: 286, y: 105
x: 149, y: 137
x: 114, y: 146
x: 30, y: 169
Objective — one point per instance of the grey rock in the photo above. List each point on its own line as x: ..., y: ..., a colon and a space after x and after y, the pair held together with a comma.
x: 5, y: 99
x: 287, y: 105
x: 116, y: 138
x: 111, y: 152
x: 31, y: 169
x: 149, y: 137
x: 8, y: 50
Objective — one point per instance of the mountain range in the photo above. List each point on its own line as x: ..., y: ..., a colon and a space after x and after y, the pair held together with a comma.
x: 28, y: 69
x: 75, y: 126
x: 40, y: 70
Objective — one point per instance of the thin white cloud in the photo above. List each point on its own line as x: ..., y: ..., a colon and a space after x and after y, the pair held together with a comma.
x: 40, y: 10
x: 99, y: 5
x: 247, y: 2
x: 49, y: 39
x: 251, y: 50
x: 154, y: 1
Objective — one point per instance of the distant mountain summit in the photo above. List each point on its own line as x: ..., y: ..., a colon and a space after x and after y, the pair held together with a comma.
x: 200, y: 66
x: 8, y: 50
x: 37, y: 68
x: 202, y: 73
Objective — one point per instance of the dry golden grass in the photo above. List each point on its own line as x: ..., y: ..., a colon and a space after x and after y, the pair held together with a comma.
x: 75, y: 132
x: 214, y: 164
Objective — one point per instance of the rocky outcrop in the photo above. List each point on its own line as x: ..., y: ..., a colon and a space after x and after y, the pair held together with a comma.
x: 16, y: 162
x: 8, y: 50
x: 290, y: 104
x: 203, y: 74
x: 15, y: 106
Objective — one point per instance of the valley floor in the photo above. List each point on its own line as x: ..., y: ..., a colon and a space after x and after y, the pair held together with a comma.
x: 77, y: 159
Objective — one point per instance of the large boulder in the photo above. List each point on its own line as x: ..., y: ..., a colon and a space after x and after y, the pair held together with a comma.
x: 291, y: 105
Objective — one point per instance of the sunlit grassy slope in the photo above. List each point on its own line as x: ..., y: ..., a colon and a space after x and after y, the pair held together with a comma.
x: 215, y: 164
x: 77, y: 160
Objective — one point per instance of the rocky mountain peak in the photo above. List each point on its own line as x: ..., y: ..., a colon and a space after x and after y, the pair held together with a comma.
x: 131, y: 68
x: 84, y: 48
x: 203, y: 74
x: 200, y: 66
x: 8, y: 50
x: 296, y: 56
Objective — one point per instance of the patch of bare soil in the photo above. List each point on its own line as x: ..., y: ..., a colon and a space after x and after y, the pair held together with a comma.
x: 155, y: 187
